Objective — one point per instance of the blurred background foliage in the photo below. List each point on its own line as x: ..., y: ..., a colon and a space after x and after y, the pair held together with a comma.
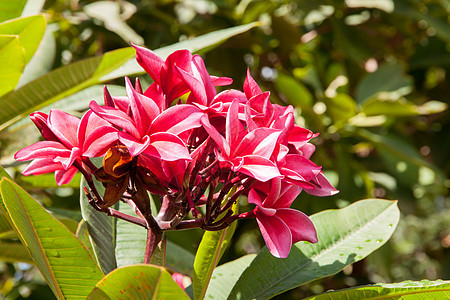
x: 371, y: 76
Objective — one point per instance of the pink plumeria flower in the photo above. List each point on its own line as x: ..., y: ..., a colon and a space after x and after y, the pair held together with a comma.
x: 147, y: 129
x: 245, y: 152
x: 68, y: 140
x: 179, y: 72
x: 280, y: 226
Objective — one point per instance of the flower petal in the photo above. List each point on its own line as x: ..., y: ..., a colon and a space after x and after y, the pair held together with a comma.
x: 301, y: 227
x: 177, y: 119
x: 43, y: 149
x: 276, y: 234
x: 259, y: 168
x: 251, y: 88
x: 168, y: 147
x: 149, y: 61
x: 64, y: 126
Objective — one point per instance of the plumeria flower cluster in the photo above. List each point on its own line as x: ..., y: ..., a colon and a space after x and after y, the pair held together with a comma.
x: 197, y: 149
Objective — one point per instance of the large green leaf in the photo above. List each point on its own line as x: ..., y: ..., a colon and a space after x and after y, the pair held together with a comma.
x: 296, y: 92
x: 62, y: 259
x: 138, y: 282
x: 101, y: 228
x: 67, y: 80
x: 43, y: 58
x: 11, y: 9
x: 58, y: 84
x: 424, y: 289
x: 345, y: 236
x: 12, y: 60
x: 131, y: 240
x: 211, y: 249
x: 225, y: 277
x: 29, y: 30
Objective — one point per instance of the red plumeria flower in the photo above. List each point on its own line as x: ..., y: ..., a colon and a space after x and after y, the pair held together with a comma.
x: 280, y: 226
x: 173, y: 77
x: 68, y: 140
x: 245, y: 152
x: 147, y: 129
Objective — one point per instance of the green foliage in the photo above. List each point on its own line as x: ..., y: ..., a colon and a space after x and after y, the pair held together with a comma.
x: 62, y: 259
x: 370, y: 76
x: 138, y: 282
x: 211, y: 249
x: 405, y: 290
x: 345, y: 236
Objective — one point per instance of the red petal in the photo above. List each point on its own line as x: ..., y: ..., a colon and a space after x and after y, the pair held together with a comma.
x: 251, y: 88
x: 259, y: 168
x: 44, y: 149
x: 276, y: 234
x: 149, y: 61
x: 177, y: 119
x: 64, y: 126
x: 167, y: 146
x: 301, y: 227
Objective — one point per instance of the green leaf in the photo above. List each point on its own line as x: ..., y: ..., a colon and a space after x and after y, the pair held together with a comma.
x: 225, y: 277
x: 345, y: 236
x: 296, y: 92
x: 67, y: 80
x: 400, y: 107
x: 209, y: 252
x: 12, y: 60
x: 203, y: 42
x: 11, y: 9
x: 138, y: 282
x: 424, y: 289
x: 58, y: 84
x: 43, y: 58
x: 46, y: 181
x: 29, y: 30
x: 14, y: 252
x: 130, y: 239
x: 101, y: 228
x: 62, y: 259
x: 179, y: 259
x: 389, y: 81
x: 341, y: 108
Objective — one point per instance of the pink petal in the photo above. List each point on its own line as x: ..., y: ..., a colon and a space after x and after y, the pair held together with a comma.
x: 134, y: 146
x: 301, y: 227
x: 259, y: 168
x: 149, y: 61
x: 233, y: 128
x: 115, y: 117
x: 287, y: 196
x: 221, y: 81
x: 197, y: 88
x: 155, y: 93
x: 299, y: 136
x: 65, y: 176
x: 40, y: 120
x: 251, y: 88
x: 301, y: 166
x: 99, y: 141
x: 276, y: 234
x: 209, y: 87
x: 64, y: 126
x: 43, y: 149
x: 325, y: 188
x: 42, y: 166
x: 255, y: 198
x: 261, y: 141
x: 216, y: 136
x: 167, y: 146
x: 177, y: 119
